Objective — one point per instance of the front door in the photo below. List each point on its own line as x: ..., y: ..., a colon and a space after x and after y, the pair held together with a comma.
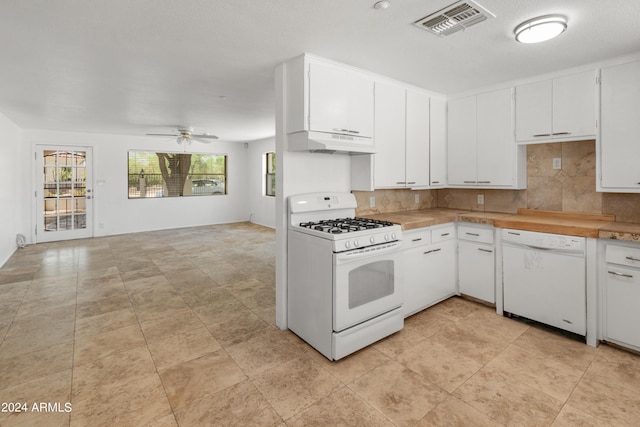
x: 63, y: 193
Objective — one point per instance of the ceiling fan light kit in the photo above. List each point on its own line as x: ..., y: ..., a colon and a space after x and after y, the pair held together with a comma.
x: 186, y: 136
x: 540, y: 29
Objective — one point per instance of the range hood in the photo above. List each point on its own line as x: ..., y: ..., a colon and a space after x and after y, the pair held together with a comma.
x: 323, y: 142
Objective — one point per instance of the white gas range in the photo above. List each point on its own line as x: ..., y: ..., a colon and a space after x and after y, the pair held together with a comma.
x: 344, y: 274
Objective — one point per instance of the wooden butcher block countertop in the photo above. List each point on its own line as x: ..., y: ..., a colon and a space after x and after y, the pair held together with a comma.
x: 410, y: 220
x: 568, y: 223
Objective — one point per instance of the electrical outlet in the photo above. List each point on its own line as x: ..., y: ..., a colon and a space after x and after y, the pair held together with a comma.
x: 481, y: 199
x: 372, y: 202
x: 417, y: 198
x: 557, y: 163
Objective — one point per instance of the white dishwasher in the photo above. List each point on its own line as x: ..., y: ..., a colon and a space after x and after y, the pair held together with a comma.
x: 544, y: 278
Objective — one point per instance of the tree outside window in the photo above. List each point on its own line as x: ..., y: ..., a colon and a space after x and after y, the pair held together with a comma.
x: 153, y: 174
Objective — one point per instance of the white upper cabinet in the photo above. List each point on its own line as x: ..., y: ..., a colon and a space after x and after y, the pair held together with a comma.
x: 495, y: 138
x: 402, y: 141
x: 560, y: 109
x: 462, y: 154
x: 481, y: 150
x: 323, y: 96
x: 620, y: 127
x: 534, y: 111
x: 437, y: 142
x: 340, y: 100
x: 417, y: 142
x: 390, y: 135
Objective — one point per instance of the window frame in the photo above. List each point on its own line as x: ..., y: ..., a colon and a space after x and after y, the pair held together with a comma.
x: 270, y: 174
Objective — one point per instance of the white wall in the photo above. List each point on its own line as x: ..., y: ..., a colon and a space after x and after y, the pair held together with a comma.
x: 262, y: 208
x: 10, y: 187
x: 114, y: 213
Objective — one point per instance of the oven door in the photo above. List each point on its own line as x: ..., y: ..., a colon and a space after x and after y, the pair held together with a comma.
x: 366, y: 283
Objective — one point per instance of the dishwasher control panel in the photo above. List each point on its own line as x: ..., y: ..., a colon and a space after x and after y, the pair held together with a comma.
x: 543, y: 240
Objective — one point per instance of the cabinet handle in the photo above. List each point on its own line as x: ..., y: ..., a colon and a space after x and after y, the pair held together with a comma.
x: 484, y: 182
x: 630, y: 258
x: 485, y: 250
x: 541, y: 134
x: 615, y: 273
x: 417, y: 240
x: 469, y: 182
x: 472, y: 234
x: 345, y: 130
x: 438, y: 182
x: 514, y: 233
x: 444, y: 234
x: 400, y: 182
x: 411, y: 182
x: 432, y: 250
x: 562, y: 133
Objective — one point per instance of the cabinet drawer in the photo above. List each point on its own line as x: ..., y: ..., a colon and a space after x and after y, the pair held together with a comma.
x: 441, y: 234
x: 416, y: 238
x: 623, y: 255
x: 475, y: 234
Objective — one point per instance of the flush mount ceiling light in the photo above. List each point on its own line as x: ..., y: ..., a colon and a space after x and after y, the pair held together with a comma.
x: 540, y: 29
x: 384, y: 4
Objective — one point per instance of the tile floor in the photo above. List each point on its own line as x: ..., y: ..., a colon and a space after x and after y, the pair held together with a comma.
x: 177, y: 328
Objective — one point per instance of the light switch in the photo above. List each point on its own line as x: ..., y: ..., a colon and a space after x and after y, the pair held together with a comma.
x: 372, y: 202
x: 557, y: 163
x: 481, y: 199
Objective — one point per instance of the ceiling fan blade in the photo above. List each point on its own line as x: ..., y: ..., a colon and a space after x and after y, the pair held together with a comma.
x: 204, y: 136
x: 200, y: 139
x: 162, y: 134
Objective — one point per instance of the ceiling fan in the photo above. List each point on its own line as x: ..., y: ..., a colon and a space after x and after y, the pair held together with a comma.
x: 186, y: 136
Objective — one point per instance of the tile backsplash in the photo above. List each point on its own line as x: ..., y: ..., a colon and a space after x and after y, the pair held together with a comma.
x: 572, y: 188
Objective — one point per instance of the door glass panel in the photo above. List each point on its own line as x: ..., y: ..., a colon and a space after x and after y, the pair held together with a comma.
x: 370, y: 282
x: 64, y: 189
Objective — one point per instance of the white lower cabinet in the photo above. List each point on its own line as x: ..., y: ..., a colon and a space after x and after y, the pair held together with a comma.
x: 622, y: 295
x: 476, y: 263
x: 430, y: 265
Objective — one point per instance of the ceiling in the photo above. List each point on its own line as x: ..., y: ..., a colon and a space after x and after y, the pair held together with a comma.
x: 132, y: 67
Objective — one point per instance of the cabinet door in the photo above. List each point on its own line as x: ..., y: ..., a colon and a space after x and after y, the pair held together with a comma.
x: 476, y: 270
x: 461, y: 130
x: 440, y: 266
x: 438, y: 142
x: 495, y: 145
x: 429, y: 273
x: 390, y: 135
x: 417, y: 142
x: 414, y: 281
x: 574, y: 105
x: 622, y: 314
x: 620, y: 126
x: 340, y: 100
x: 534, y: 111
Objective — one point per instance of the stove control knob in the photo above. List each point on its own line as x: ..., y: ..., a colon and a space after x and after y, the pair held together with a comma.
x: 356, y: 243
x: 386, y: 237
x: 372, y: 239
x: 393, y: 236
x: 347, y: 244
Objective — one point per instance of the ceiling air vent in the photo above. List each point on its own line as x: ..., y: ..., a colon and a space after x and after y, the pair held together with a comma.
x: 453, y: 18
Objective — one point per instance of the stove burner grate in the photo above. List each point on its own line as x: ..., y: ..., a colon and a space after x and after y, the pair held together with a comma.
x: 345, y: 225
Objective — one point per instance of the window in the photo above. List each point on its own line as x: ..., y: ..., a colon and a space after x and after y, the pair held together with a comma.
x: 270, y: 177
x: 154, y: 174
